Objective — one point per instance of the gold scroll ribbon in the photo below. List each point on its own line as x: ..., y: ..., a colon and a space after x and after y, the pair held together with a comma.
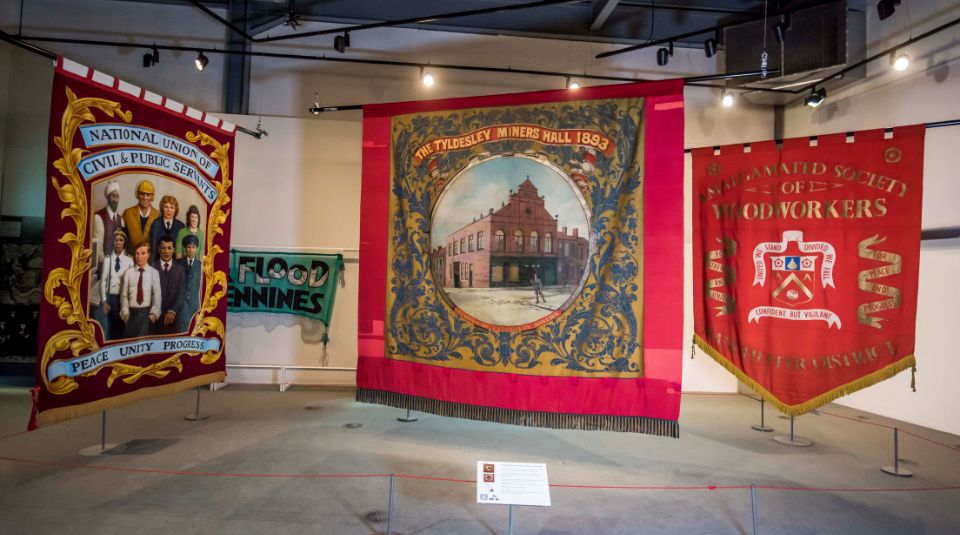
x: 893, y: 264
x: 728, y: 275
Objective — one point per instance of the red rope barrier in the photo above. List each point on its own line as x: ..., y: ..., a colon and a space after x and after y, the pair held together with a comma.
x: 159, y: 471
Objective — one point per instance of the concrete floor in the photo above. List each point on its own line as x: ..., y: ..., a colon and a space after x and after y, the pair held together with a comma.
x: 253, y: 467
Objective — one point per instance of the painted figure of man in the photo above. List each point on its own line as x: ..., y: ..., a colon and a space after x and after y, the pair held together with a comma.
x: 138, y: 218
x: 171, y: 288
x: 114, y: 266
x: 191, y: 283
x: 106, y: 221
x: 537, y: 288
x: 167, y: 225
x: 140, y: 294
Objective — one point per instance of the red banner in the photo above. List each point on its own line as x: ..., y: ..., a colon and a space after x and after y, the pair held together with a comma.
x: 506, y: 278
x: 806, y: 261
x: 136, y: 245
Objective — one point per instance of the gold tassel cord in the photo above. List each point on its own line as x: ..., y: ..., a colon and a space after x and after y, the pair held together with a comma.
x: 818, y: 401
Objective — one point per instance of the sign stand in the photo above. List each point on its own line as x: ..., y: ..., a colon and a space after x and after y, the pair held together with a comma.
x: 762, y: 427
x: 407, y: 418
x: 195, y: 417
x: 753, y: 507
x: 792, y: 440
x: 895, y: 470
x: 103, y: 447
x: 510, y: 519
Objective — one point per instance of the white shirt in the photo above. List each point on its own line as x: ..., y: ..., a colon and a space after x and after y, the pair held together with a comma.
x: 151, y: 290
x: 110, y: 277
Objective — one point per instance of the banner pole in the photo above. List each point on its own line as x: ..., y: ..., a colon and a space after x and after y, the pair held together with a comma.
x: 195, y: 417
x: 762, y: 427
x: 407, y: 418
x: 103, y: 448
x: 753, y: 507
x: 510, y: 519
x: 792, y: 440
x: 895, y: 470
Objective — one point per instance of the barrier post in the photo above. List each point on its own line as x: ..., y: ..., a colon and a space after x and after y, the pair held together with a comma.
x: 895, y: 470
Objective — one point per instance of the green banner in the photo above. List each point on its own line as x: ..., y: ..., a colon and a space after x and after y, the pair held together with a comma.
x: 284, y: 283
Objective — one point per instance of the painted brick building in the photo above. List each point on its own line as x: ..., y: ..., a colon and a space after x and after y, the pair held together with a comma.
x: 504, y: 247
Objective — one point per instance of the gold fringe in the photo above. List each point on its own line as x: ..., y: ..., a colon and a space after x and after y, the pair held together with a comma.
x: 552, y: 420
x: 819, y: 401
x: 52, y: 416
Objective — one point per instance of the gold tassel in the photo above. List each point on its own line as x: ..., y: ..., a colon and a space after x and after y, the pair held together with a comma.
x: 807, y: 406
x: 913, y: 378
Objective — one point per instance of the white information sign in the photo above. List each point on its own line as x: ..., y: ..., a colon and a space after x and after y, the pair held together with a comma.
x: 512, y: 483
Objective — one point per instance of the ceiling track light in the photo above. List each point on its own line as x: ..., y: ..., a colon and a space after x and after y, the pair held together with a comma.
x: 572, y: 84
x: 816, y: 97
x: 151, y: 58
x: 663, y: 54
x: 426, y: 78
x: 780, y: 28
x: 341, y: 42
x: 201, y: 62
x: 886, y: 8
x: 710, y: 47
x: 900, y: 61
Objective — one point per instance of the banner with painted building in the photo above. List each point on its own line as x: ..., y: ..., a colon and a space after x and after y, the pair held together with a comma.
x: 136, y: 246
x: 508, y: 246
x: 806, y: 261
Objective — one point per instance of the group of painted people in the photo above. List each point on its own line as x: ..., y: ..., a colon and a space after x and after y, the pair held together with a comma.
x: 148, y: 265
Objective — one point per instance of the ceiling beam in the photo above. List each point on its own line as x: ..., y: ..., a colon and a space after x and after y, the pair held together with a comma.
x: 601, y: 11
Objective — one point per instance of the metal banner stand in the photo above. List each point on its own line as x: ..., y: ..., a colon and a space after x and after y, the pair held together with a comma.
x: 762, y: 427
x: 390, y: 531
x: 195, y: 417
x: 792, y: 440
x: 895, y: 470
x: 408, y: 418
x: 510, y: 519
x: 102, y: 448
x: 753, y: 507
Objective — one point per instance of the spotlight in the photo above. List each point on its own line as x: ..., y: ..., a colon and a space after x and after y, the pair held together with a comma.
x: 341, y: 42
x: 663, y: 54
x: 816, y: 97
x: 710, y: 47
x: 726, y: 99
x: 573, y: 85
x: 886, y: 8
x: 663, y: 57
x: 901, y: 62
x: 151, y: 58
x: 426, y: 78
x: 201, y: 61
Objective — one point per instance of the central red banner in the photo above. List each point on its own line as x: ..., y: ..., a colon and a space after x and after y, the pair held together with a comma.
x: 806, y: 261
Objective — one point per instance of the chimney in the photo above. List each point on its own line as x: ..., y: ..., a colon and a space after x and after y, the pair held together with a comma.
x: 576, y: 232
x: 491, y: 211
x: 564, y: 230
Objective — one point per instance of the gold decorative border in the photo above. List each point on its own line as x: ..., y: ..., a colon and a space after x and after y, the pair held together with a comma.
x: 802, y: 408
x: 70, y: 307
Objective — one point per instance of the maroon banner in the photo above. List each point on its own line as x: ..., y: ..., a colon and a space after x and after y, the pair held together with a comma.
x: 806, y: 260
x: 136, y: 245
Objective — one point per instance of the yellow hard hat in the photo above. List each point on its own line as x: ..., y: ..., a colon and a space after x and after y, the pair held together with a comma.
x: 145, y: 186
